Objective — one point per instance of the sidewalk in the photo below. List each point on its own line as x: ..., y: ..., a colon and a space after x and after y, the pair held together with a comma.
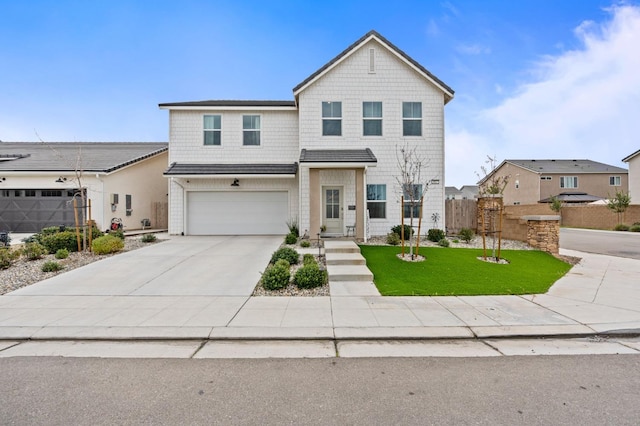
x: 599, y: 296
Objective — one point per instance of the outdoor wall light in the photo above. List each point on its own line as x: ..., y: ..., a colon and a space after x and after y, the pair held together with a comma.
x: 61, y: 179
x: 2, y: 179
x: 236, y: 182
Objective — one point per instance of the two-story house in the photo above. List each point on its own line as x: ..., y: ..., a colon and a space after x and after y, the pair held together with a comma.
x: 328, y: 158
x: 573, y: 181
x: 634, y: 176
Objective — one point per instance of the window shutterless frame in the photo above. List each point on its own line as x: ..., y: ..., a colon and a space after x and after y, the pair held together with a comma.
x: 251, y: 126
x: 412, y: 119
x: 212, y: 130
x: 331, y: 118
x: 372, y: 118
x: 377, y: 201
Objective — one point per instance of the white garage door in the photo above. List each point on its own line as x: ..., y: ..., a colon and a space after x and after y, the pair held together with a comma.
x: 237, y: 213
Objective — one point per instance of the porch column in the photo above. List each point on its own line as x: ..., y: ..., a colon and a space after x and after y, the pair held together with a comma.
x: 314, y: 202
x: 360, y: 204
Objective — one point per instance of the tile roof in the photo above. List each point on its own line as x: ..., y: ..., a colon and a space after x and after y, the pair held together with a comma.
x: 566, y: 166
x: 231, y: 169
x: 574, y: 197
x: 62, y: 156
x: 230, y: 103
x: 375, y: 34
x: 337, y: 156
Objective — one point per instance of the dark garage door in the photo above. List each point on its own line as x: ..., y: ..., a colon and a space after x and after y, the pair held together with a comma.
x: 30, y: 210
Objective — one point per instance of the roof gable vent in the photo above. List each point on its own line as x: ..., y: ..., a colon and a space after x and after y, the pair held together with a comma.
x: 372, y: 61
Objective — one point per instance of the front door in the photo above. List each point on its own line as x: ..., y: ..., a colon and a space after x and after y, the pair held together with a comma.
x: 332, y: 202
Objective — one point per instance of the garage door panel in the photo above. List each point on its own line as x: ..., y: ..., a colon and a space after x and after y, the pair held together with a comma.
x: 236, y: 213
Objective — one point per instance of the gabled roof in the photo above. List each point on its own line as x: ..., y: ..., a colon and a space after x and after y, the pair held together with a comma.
x: 337, y: 156
x: 102, y: 157
x: 566, y: 166
x: 373, y: 35
x: 229, y: 104
x: 629, y: 157
x: 187, y: 169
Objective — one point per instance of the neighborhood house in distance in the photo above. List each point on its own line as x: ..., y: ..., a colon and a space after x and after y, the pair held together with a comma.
x: 327, y: 158
x: 572, y: 181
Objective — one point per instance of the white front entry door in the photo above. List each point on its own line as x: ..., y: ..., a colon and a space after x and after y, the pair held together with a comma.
x: 332, y: 207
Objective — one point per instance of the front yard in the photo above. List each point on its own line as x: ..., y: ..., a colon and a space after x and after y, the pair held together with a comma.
x: 457, y: 271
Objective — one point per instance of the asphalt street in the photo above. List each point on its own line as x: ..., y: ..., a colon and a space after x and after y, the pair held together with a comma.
x: 621, y: 244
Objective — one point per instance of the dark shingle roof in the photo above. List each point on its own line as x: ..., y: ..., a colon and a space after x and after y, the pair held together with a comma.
x: 62, y: 156
x: 630, y: 156
x: 574, y: 197
x: 566, y: 166
x: 231, y: 169
x: 390, y: 45
x: 337, y: 156
x: 230, y: 103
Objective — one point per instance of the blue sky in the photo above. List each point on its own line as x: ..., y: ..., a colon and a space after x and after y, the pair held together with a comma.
x: 533, y: 78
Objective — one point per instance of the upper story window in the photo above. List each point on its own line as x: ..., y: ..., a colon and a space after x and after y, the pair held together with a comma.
x: 251, y: 130
x: 545, y: 177
x: 212, y: 129
x: 412, y: 119
x: 331, y: 118
x: 377, y: 201
x: 568, y: 182
x: 372, y: 118
x: 615, y: 181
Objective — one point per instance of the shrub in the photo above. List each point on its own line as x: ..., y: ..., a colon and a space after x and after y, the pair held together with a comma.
x: 393, y: 239
x: 95, y: 233
x: 309, y: 276
x: 33, y: 251
x: 455, y: 240
x: 276, y: 276
x: 118, y: 233
x: 443, y: 242
x: 7, y: 257
x: 634, y: 228
x: 466, y: 235
x: 286, y: 253
x: 5, y: 239
x: 621, y: 227
x: 51, y: 230
x: 435, y: 235
x: 292, y: 224
x: 107, y: 244
x: 51, y: 266
x: 291, y: 238
x: 149, y: 238
x: 308, y: 258
x: 59, y: 240
x: 305, y: 243
x: 408, y: 231
x: 62, y: 253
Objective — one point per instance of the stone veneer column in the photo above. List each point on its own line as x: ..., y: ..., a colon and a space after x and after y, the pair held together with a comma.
x: 360, y: 205
x: 314, y: 202
x: 543, y: 232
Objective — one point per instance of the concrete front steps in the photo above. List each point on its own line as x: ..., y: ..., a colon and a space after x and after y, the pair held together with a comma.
x: 347, y: 270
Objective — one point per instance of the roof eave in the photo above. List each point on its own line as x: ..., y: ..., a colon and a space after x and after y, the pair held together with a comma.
x: 337, y: 165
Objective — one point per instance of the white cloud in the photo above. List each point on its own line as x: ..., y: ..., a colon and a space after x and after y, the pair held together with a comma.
x: 583, y: 103
x: 473, y: 49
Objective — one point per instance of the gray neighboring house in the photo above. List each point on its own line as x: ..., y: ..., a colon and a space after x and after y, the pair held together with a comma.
x: 466, y: 192
x: 38, y: 182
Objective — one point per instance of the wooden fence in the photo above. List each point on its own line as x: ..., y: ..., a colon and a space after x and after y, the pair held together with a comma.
x: 460, y: 214
x: 159, y: 215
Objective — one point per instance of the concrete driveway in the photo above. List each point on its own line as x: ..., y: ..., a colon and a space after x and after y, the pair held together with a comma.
x: 181, y: 266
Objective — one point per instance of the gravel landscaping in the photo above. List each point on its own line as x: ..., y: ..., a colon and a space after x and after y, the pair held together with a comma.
x: 26, y: 272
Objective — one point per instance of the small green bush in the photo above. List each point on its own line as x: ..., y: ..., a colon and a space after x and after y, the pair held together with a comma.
x: 51, y: 230
x: 408, y: 231
x: 33, y: 251
x: 634, y: 228
x: 59, y: 240
x: 62, y: 253
x: 308, y: 258
x: 305, y: 243
x: 149, y: 238
x: 310, y: 276
x: 435, y: 235
x: 7, y: 257
x: 292, y: 224
x: 466, y: 235
x: 287, y: 253
x: 107, y: 244
x: 455, y: 240
x: 291, y: 238
x: 118, y: 233
x: 276, y: 276
x: 443, y: 242
x: 621, y: 227
x: 51, y: 266
x: 393, y: 239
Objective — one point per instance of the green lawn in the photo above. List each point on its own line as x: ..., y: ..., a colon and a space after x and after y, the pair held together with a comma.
x: 456, y: 271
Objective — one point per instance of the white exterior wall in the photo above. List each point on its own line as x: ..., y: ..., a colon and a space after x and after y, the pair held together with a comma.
x: 634, y: 179
x: 392, y: 84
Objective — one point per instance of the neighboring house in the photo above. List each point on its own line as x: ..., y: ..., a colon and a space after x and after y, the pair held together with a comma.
x: 38, y: 183
x: 452, y: 193
x: 534, y: 181
x: 634, y: 176
x: 327, y: 159
x: 469, y: 192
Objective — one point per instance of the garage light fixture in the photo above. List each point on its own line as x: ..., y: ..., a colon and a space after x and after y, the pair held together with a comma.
x: 236, y: 182
x: 2, y: 179
x: 61, y: 179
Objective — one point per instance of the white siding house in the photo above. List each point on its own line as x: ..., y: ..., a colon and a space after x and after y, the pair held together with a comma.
x: 634, y: 176
x: 328, y: 159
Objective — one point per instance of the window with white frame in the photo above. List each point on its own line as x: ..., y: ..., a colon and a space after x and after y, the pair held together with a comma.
x: 377, y: 201
x: 568, y: 182
x: 615, y: 181
x: 408, y: 190
x: 251, y: 130
x: 212, y: 130
x: 412, y: 119
x: 372, y: 118
x: 331, y: 118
